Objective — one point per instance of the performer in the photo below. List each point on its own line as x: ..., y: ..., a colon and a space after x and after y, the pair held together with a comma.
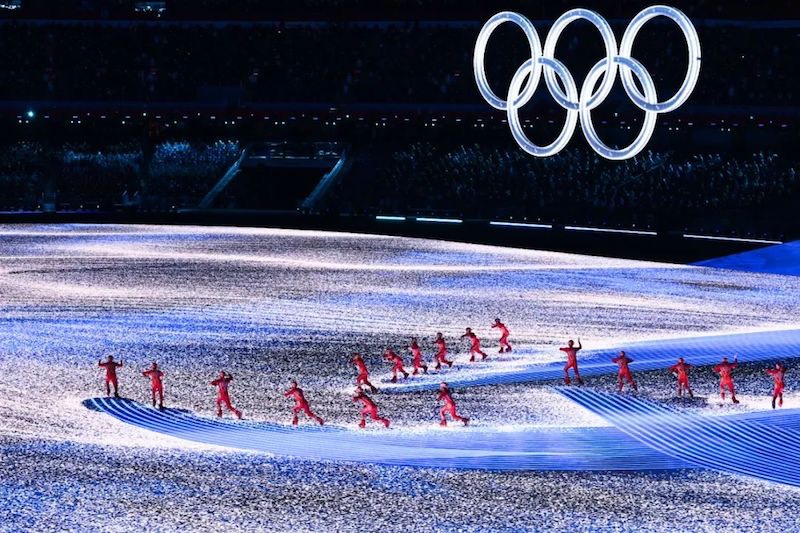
x: 369, y: 409
x: 441, y: 352
x: 449, y: 406
x: 156, y: 385
x: 624, y: 374
x: 504, y: 345
x: 111, y: 367
x: 681, y: 371
x: 777, y: 374
x: 363, y: 373
x: 572, y: 361
x: 724, y: 370
x: 416, y: 357
x: 300, y: 404
x: 223, y: 398
x: 397, y: 364
x: 475, y: 347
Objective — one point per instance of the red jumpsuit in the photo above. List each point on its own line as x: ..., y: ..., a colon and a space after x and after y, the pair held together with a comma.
x: 777, y: 376
x: 449, y: 407
x: 724, y: 370
x: 111, y: 376
x: 624, y: 373
x: 504, y: 345
x: 363, y: 374
x: 300, y: 404
x: 369, y: 409
x: 681, y: 370
x: 397, y: 365
x: 416, y: 358
x: 475, y: 346
x: 156, y: 386
x: 572, y: 362
x: 441, y: 353
x: 223, y: 398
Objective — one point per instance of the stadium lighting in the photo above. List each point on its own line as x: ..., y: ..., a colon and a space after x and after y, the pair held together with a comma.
x: 728, y: 239
x: 440, y: 220
x: 520, y: 225
x: 608, y: 230
x: 30, y: 114
x: 387, y: 218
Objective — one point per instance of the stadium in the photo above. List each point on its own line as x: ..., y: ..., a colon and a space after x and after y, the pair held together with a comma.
x: 337, y: 265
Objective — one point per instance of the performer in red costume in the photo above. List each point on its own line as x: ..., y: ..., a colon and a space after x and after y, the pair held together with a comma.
x: 475, y: 346
x: 397, y: 364
x: 504, y: 345
x: 111, y: 367
x: 300, y: 404
x: 156, y: 385
x: 724, y: 370
x: 416, y: 357
x: 777, y: 374
x: 681, y: 371
x: 369, y: 409
x: 441, y: 352
x: 363, y: 373
x: 223, y: 398
x: 449, y: 406
x: 624, y: 374
x: 572, y: 361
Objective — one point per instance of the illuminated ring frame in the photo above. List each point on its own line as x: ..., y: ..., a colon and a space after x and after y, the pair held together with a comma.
x: 579, y: 104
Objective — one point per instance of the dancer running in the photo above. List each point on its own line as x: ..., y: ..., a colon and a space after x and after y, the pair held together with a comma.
x: 624, y: 374
x: 300, y: 404
x: 724, y: 370
x: 397, y: 364
x: 504, y: 345
x: 223, y: 398
x: 369, y: 409
x: 416, y: 357
x: 449, y: 406
x: 363, y: 373
x: 572, y: 361
x: 156, y: 385
x: 111, y: 367
x: 777, y: 374
x: 681, y: 371
x: 441, y: 352
x: 475, y: 346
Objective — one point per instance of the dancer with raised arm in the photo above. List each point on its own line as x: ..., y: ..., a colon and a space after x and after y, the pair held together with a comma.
x: 111, y: 366
x: 475, y: 345
x: 572, y: 361
x: 681, y: 371
x: 724, y: 369
x: 504, y: 345
x: 223, y: 397
x: 777, y: 374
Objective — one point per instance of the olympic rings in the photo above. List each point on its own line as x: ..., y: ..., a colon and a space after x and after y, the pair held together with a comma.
x: 579, y: 104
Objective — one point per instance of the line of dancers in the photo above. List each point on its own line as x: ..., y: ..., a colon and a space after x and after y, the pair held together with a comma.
x: 370, y: 409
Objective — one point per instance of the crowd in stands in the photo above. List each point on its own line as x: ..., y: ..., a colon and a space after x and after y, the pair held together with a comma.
x: 380, y: 63
x: 578, y: 186
x: 81, y: 177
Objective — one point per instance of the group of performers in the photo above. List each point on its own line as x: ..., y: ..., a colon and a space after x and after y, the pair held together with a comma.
x: 370, y: 409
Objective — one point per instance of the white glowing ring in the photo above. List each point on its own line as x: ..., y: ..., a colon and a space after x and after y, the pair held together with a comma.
x: 580, y: 104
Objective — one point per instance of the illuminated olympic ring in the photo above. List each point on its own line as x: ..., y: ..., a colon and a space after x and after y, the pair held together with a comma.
x: 580, y: 105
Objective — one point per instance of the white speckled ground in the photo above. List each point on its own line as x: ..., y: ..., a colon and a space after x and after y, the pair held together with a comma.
x: 272, y: 304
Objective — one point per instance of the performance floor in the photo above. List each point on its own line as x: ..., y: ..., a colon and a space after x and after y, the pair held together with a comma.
x: 270, y: 305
